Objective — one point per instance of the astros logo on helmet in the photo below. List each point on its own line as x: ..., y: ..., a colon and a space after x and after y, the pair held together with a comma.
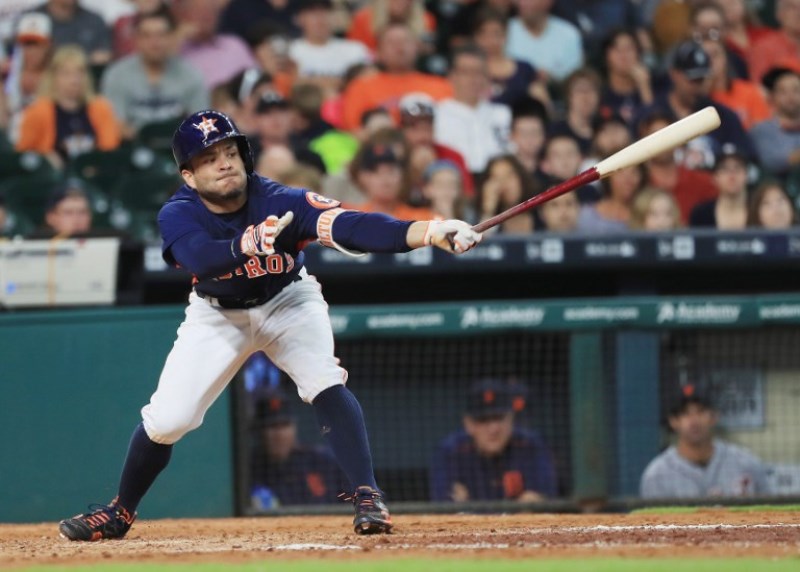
x: 206, y: 126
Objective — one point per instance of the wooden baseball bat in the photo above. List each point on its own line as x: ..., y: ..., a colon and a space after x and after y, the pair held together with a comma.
x: 671, y: 136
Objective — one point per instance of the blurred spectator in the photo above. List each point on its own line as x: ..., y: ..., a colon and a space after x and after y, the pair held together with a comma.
x: 582, y: 95
x: 491, y: 458
x: 688, y: 186
x: 505, y: 183
x: 270, y: 47
x: 670, y: 23
x: 417, y: 113
x: 303, y: 177
x: 698, y: 465
x: 777, y: 140
x: 655, y: 210
x: 321, y: 57
x: 73, y: 24
x: 31, y: 55
x: 741, y: 29
x: 68, y: 119
x: 610, y: 135
x: 442, y: 189
x: 469, y: 123
x: 67, y: 212
x: 561, y: 159
x: 528, y: 128
x: 275, y: 161
x: 741, y: 95
x: 4, y: 222
x: 595, y: 19
x: 219, y: 57
x: 397, y: 52
x: 456, y: 20
x: 239, y: 17
x: 512, y: 80
x: 729, y: 210
x: 628, y: 86
x: 691, y: 84
x: 124, y: 30
x: 612, y: 213
x: 152, y: 85
x: 561, y: 213
x: 369, y: 22
x: 780, y: 48
x: 372, y: 121
x: 285, y: 472
x: 771, y: 207
x: 109, y: 10
x: 551, y: 45
x: 378, y: 171
x: 10, y: 12
x: 707, y: 20
x: 309, y: 130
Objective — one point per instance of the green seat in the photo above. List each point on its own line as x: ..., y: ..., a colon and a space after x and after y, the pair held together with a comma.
x: 28, y: 194
x: 146, y: 190
x: 102, y: 169
x: 158, y: 136
x: 14, y: 164
x: 18, y: 223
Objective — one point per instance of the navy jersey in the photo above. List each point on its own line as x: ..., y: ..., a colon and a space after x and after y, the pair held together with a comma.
x: 525, y: 465
x: 208, y: 244
x: 309, y: 476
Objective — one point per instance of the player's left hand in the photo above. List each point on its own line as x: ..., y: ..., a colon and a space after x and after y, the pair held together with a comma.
x: 259, y: 240
x: 451, y: 235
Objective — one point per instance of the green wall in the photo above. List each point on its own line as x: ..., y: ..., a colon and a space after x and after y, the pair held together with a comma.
x: 73, y: 382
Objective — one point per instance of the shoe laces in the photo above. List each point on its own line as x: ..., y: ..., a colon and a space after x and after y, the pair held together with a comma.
x: 100, y: 514
x: 363, y: 496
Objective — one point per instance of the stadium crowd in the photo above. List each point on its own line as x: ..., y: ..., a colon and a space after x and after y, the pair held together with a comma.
x: 456, y: 108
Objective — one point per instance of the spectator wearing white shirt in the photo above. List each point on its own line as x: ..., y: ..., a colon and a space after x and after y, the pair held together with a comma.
x: 548, y: 43
x: 319, y: 56
x: 469, y: 122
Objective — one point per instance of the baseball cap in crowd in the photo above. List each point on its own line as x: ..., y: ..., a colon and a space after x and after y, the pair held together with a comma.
x: 273, y: 409
x: 492, y: 397
x: 71, y: 187
x: 600, y: 121
x: 729, y: 151
x: 687, y: 395
x: 774, y: 74
x: 376, y: 154
x: 311, y: 4
x: 416, y: 106
x: 691, y: 59
x: 439, y: 166
x: 270, y: 100
x: 34, y: 27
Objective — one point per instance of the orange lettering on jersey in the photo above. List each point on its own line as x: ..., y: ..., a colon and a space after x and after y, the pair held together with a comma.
x: 238, y: 272
x: 325, y: 227
x: 254, y: 268
x: 319, y: 202
x: 274, y: 264
x: 316, y: 484
x: 227, y: 276
x: 289, y: 262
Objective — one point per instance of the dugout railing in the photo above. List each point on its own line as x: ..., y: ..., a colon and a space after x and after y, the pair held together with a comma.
x: 598, y: 373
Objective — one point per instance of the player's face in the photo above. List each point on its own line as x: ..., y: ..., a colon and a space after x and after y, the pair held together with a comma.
x: 660, y: 215
x: 279, y: 440
x: 695, y: 426
x: 218, y: 174
x: 491, y: 434
x: 775, y: 210
x: 561, y: 214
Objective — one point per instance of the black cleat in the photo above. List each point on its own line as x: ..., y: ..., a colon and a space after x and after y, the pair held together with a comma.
x: 372, y: 516
x: 103, y: 522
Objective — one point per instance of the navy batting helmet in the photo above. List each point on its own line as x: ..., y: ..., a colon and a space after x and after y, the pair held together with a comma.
x: 201, y: 130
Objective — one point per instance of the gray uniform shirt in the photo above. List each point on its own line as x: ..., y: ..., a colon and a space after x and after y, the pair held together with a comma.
x: 179, y: 92
x: 732, y: 472
x: 774, y: 145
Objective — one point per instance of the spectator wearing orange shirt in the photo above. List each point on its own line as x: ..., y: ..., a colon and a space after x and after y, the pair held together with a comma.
x: 68, y: 119
x: 378, y: 172
x: 397, y: 53
x: 781, y: 47
x: 742, y: 96
x: 368, y: 22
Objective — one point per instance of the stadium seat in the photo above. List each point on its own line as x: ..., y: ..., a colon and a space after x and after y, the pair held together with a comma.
x: 14, y: 164
x: 102, y: 169
x: 28, y: 194
x: 158, y: 136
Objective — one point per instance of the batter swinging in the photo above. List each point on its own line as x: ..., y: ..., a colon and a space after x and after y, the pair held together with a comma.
x: 241, y: 236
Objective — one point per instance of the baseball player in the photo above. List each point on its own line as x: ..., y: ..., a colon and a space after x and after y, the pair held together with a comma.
x: 241, y: 236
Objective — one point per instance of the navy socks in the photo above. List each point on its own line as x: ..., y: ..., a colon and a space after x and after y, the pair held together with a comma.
x: 144, y: 462
x: 342, y: 423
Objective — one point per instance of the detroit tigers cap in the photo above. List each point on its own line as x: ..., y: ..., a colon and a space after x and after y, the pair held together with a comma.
x: 686, y: 395
x: 34, y: 27
x: 273, y: 409
x: 376, y: 154
x: 415, y: 106
x: 493, y: 397
x: 691, y: 59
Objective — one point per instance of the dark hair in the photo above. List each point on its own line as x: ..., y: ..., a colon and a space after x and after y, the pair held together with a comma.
x: 758, y: 196
x: 307, y: 100
x: 556, y: 137
x: 161, y: 13
x: 527, y: 181
x: 687, y: 398
x: 648, y: 119
x: 586, y: 73
x: 370, y: 113
x: 485, y: 16
x: 261, y: 31
x: 605, y: 183
x: 466, y: 50
x: 529, y: 107
x: 614, y: 35
x: 388, y: 136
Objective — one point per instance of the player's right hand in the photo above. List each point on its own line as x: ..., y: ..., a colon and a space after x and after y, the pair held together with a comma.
x: 451, y: 235
x: 259, y: 239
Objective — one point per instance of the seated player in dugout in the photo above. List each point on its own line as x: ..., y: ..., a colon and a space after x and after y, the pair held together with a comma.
x: 241, y: 236
x: 491, y: 458
x: 284, y: 471
x: 699, y: 465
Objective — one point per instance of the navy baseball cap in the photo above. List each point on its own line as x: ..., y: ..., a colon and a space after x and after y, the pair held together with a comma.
x: 492, y: 398
x: 691, y: 59
x: 273, y: 409
x: 311, y: 4
x: 687, y: 395
x: 270, y: 100
x: 729, y: 151
x: 774, y: 74
x: 376, y: 154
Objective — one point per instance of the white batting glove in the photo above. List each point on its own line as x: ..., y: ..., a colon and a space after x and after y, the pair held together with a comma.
x: 451, y: 235
x: 259, y: 239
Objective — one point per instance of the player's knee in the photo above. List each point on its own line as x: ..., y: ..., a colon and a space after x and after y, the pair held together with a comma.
x: 169, y: 430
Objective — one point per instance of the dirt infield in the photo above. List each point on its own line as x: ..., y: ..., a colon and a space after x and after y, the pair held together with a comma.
x: 708, y: 533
